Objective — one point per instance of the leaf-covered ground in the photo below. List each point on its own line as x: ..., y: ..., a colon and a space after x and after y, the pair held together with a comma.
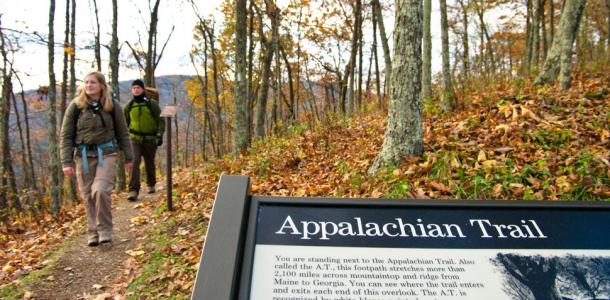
x: 517, y: 143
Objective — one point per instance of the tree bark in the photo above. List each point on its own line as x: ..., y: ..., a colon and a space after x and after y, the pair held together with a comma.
x: 377, y: 79
x: 349, y: 107
x: 291, y: 106
x: 53, y: 150
x: 404, y: 133
x: 535, y: 58
x: 33, y: 185
x: 114, y: 84
x: 6, y: 195
x: 24, y: 161
x: 427, y: 50
x: 269, y: 46
x: 559, y: 58
x: 219, y: 127
x: 490, y: 51
x: 552, y: 21
x: 73, y: 47
x: 240, y: 100
x: 151, y: 52
x: 545, y: 45
x: 97, y: 48
x: 448, y: 96
x: 360, y: 46
x: 64, y: 83
x: 465, y: 43
x: 607, y: 29
x: 384, y: 44
x: 250, y: 87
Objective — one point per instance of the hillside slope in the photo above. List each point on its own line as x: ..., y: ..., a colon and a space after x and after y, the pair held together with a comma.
x: 526, y: 143
x: 517, y: 144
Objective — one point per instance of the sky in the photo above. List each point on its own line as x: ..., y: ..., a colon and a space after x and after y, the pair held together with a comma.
x: 32, y: 16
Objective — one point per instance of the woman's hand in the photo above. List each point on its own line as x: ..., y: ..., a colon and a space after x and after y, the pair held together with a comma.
x: 128, y: 166
x: 68, y: 171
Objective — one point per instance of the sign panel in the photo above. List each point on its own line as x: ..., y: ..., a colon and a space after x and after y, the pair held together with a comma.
x: 169, y: 111
x: 434, y: 251
x: 289, y: 248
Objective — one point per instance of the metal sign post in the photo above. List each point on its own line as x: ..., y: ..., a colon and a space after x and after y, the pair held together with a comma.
x: 168, y: 112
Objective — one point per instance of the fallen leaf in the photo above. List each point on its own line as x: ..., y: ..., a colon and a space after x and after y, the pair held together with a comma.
x: 482, y: 156
x: 135, y: 253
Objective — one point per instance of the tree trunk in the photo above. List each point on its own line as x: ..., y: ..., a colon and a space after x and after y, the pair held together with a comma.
x: 349, y: 107
x: 276, y: 90
x: 291, y: 106
x: 206, y: 95
x: 269, y: 47
x: 448, y: 96
x: 465, y: 44
x: 536, y: 35
x: 53, y: 150
x: 5, y: 166
x: 240, y: 100
x: 27, y: 176
x: 552, y: 21
x: 64, y: 83
x: 427, y: 50
x: 377, y: 79
x: 32, y: 174
x: 559, y: 58
x: 97, y: 47
x: 73, y: 55
x: 490, y: 51
x: 151, y: 48
x: 114, y: 84
x: 404, y: 133
x: 250, y: 91
x: 607, y: 29
x: 360, y: 46
x: 219, y: 126
x: 384, y: 44
x: 545, y: 45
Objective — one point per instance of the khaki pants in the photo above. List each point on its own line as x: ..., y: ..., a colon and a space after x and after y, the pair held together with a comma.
x: 96, y: 187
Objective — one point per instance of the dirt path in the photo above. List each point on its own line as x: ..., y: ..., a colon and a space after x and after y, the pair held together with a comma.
x: 83, y: 272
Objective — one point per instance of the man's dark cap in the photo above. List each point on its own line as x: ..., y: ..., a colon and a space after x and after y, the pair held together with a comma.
x: 138, y: 82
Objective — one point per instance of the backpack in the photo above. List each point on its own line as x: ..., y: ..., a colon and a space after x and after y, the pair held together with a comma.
x: 142, y: 121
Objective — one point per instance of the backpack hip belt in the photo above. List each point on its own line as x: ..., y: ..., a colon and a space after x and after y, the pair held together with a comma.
x: 92, y: 147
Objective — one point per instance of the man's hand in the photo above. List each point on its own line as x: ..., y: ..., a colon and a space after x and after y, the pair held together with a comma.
x: 68, y: 171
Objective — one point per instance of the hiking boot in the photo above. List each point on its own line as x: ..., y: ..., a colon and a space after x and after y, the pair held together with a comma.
x: 105, y: 238
x: 151, y: 189
x: 133, y: 196
x: 92, y: 240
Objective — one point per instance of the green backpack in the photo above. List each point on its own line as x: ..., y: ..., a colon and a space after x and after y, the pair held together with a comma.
x: 142, y: 121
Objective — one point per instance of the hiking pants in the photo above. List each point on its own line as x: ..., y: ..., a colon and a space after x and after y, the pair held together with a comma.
x: 146, y: 149
x: 96, y: 187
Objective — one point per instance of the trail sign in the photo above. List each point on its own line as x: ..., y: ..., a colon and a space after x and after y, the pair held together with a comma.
x: 261, y: 247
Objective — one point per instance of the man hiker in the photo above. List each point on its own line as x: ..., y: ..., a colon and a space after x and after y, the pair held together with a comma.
x: 146, y: 129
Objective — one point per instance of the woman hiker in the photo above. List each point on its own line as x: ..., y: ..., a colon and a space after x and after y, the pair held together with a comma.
x: 92, y: 132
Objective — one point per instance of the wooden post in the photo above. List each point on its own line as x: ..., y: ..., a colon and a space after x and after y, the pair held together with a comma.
x: 168, y: 112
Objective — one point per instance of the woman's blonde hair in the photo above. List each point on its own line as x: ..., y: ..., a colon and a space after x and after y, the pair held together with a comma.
x: 105, y: 93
